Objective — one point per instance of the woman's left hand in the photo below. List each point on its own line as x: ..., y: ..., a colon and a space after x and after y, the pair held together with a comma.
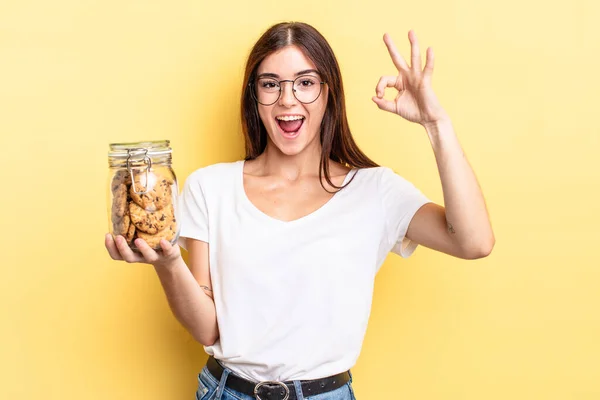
x: 415, y: 100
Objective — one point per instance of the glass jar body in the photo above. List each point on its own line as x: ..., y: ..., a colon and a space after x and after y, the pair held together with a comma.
x: 142, y: 193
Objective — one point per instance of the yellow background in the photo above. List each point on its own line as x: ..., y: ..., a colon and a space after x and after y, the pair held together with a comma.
x: 520, y: 81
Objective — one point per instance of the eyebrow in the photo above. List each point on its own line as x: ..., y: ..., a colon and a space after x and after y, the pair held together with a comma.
x: 303, y: 72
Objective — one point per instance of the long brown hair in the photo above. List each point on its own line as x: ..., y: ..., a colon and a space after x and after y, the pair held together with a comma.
x: 336, y: 140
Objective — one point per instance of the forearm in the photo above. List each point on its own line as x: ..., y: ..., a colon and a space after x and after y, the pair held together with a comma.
x: 191, y: 306
x: 466, y: 213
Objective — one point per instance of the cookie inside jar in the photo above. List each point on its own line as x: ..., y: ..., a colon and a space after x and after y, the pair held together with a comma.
x: 142, y: 192
x: 144, y: 205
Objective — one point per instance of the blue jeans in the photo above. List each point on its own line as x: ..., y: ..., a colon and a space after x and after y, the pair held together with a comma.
x: 209, y: 388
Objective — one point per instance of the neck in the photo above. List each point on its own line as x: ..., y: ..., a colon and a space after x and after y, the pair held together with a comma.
x: 274, y: 162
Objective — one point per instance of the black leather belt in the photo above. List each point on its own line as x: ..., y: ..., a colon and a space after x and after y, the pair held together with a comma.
x: 270, y: 390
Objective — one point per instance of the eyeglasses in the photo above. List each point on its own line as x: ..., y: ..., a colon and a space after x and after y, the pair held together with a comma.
x: 267, y: 90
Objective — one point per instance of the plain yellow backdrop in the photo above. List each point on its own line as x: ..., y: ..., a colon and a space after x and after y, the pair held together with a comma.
x: 520, y: 81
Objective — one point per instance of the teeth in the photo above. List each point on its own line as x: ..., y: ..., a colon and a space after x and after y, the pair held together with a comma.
x: 290, y: 117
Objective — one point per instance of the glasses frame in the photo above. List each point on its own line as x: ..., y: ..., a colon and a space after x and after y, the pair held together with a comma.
x: 252, y: 87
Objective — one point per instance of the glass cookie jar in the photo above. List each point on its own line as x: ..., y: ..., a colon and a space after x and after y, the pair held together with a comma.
x: 142, y: 193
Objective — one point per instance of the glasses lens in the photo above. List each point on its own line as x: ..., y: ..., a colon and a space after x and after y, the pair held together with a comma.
x: 307, y: 88
x: 267, y: 90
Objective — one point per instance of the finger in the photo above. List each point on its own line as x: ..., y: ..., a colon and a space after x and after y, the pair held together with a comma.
x: 148, y: 252
x: 384, y: 104
x: 397, y: 59
x: 110, y: 245
x: 388, y: 81
x: 126, y: 252
x: 428, y: 71
x: 415, y: 53
x: 167, y: 248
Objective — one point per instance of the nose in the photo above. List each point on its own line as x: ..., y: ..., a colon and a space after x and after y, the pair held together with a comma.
x: 287, y: 97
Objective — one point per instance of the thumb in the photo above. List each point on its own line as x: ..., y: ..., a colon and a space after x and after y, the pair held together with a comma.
x: 167, y: 248
x: 384, y: 104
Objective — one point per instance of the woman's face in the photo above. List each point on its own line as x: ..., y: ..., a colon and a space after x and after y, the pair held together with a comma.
x: 292, y: 126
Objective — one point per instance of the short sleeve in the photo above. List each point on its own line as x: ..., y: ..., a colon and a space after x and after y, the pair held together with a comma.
x: 193, y: 216
x: 400, y: 201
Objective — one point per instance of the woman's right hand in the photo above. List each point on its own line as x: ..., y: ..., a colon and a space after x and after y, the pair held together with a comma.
x: 118, y: 249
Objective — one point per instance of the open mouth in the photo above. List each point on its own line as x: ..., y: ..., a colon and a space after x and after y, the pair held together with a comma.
x: 290, y: 124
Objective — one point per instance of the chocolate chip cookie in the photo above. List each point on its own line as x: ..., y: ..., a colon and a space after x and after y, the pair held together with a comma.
x: 121, y: 226
x: 150, y: 221
x: 119, y: 206
x: 157, y: 190
x: 130, y: 233
x: 167, y: 233
x: 122, y: 176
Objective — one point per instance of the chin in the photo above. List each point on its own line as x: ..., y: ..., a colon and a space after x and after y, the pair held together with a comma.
x: 292, y: 147
x: 290, y: 150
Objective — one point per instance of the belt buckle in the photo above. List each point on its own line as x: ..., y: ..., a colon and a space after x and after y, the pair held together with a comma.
x: 258, y: 385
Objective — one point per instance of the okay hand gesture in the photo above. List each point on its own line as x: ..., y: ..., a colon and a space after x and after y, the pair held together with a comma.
x: 415, y: 101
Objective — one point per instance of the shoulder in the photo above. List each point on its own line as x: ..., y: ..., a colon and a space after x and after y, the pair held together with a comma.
x: 214, y: 173
x: 387, y: 176
x: 384, y: 181
x: 376, y: 174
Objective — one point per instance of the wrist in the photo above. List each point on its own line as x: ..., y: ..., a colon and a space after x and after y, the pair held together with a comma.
x: 168, y: 266
x: 441, y: 134
x: 434, y: 127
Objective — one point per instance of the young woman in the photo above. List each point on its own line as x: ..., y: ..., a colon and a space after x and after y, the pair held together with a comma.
x: 284, y: 245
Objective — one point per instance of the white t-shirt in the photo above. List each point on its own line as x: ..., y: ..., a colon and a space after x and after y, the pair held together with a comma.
x: 293, y: 298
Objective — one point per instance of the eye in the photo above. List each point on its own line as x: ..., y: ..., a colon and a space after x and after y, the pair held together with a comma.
x: 307, y: 82
x: 268, y: 84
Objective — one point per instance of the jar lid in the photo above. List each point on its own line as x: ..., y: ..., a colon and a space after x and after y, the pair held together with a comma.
x: 150, y: 148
